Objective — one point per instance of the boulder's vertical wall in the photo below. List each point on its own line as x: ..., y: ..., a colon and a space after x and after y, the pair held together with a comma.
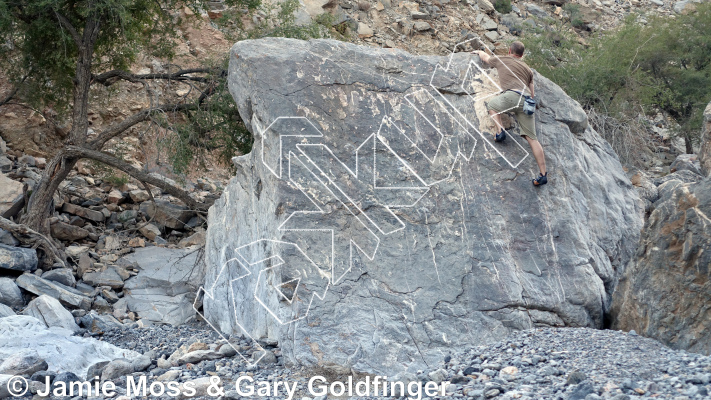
x: 373, y: 227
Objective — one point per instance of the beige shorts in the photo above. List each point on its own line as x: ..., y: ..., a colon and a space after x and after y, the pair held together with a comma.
x: 509, y: 101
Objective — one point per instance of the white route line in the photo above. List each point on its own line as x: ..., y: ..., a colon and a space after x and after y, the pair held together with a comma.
x: 278, y: 174
x: 210, y: 293
x: 334, y: 279
x: 279, y: 263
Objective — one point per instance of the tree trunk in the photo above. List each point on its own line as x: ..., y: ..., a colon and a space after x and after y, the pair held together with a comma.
x: 39, y: 207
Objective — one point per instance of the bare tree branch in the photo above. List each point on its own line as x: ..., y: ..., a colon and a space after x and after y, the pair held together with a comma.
x: 28, y: 236
x: 81, y: 152
x: 14, y: 91
x: 117, y: 129
x: 63, y: 21
x: 110, y: 77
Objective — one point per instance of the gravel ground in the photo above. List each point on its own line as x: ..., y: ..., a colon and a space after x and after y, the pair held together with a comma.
x: 576, y: 363
x: 546, y: 363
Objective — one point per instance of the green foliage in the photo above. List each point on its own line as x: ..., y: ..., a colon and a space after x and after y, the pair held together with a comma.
x: 664, y: 65
x: 214, y: 129
x: 503, y: 6
x: 574, y: 15
x: 38, y: 40
x: 279, y: 20
x: 116, y: 180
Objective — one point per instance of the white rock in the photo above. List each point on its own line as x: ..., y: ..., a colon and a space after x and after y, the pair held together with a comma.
x: 61, y: 350
x: 10, y: 190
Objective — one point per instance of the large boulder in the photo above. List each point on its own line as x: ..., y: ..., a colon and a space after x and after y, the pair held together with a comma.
x: 62, y: 351
x: 705, y: 152
x: 164, y: 289
x: 665, y: 292
x: 374, y: 227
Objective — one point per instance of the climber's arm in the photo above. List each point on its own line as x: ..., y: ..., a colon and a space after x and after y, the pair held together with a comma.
x: 530, y: 88
x: 484, y: 57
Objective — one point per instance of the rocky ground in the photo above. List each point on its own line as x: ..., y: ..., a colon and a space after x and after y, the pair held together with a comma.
x: 567, y: 363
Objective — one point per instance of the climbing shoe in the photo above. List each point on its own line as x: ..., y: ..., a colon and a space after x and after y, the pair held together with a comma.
x: 541, y: 180
x: 500, y: 137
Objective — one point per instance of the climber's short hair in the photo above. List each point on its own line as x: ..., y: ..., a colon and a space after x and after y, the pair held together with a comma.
x: 517, y: 48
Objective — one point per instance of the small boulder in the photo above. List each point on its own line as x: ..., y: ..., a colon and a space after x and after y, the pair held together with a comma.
x: 199, y: 355
x: 10, y: 294
x: 65, y: 276
x: 106, y: 277
x: 364, y: 31
x: 95, y: 370
x: 150, y: 231
x: 24, y: 363
x: 63, y: 231
x: 139, y: 196
x: 96, y: 323
x: 17, y: 258
x: 8, y: 239
x: 65, y: 294
x: 421, y: 26
x: 10, y: 192
x: 486, y: 6
x: 76, y: 251
x: 116, y: 368
x: 689, y: 162
x: 115, y: 197
x: 265, y: 357
x: 48, y: 310
x: 196, y: 239
x: 96, y: 216
x: 6, y: 311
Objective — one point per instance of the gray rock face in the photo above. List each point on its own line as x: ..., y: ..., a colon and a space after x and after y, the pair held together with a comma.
x: 48, y: 310
x: 165, y: 287
x: 666, y: 290
x: 391, y: 230
x: 66, y: 295
x: 57, y: 346
x: 17, y: 258
x: 10, y: 294
x: 705, y: 152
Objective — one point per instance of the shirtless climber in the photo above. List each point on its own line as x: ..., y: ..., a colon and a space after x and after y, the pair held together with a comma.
x: 512, y: 72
